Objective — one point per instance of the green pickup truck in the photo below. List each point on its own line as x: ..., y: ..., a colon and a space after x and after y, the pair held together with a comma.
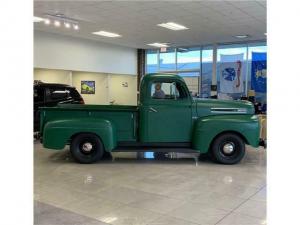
x: 167, y: 119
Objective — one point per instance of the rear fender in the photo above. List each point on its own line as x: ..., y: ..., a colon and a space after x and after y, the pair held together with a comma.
x: 207, y: 128
x: 58, y: 133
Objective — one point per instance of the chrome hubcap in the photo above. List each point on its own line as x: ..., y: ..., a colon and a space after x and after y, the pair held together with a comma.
x: 87, y: 147
x: 228, y: 148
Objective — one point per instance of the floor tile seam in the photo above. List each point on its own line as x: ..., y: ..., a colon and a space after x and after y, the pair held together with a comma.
x: 71, y: 211
x: 239, y: 206
x: 161, y: 213
x: 175, y: 218
x: 151, y: 193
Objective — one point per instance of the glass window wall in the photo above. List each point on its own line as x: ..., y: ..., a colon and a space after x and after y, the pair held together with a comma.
x: 195, y: 65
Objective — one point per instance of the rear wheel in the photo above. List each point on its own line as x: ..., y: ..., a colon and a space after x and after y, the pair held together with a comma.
x: 228, y: 148
x: 86, y: 148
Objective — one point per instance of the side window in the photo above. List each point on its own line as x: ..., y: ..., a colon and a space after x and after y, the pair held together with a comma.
x: 57, y: 94
x: 167, y: 90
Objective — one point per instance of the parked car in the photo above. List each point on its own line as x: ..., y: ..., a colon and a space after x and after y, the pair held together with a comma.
x: 167, y: 119
x: 50, y: 94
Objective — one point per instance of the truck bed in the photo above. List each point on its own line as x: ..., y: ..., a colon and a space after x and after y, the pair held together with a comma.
x: 123, y: 117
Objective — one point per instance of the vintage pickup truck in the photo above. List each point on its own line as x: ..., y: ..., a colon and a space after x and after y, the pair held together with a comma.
x: 167, y: 119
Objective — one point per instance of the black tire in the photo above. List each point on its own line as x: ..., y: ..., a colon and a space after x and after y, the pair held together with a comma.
x: 86, y: 148
x: 228, y: 148
x: 160, y: 155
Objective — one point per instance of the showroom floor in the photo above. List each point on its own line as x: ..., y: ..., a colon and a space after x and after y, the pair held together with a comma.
x: 135, y: 189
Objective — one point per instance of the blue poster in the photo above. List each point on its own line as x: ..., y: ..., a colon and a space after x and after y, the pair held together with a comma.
x: 259, y: 72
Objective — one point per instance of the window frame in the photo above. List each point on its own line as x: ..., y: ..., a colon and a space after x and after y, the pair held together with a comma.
x: 162, y: 100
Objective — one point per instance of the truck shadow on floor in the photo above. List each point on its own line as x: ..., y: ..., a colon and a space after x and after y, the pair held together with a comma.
x: 137, y: 158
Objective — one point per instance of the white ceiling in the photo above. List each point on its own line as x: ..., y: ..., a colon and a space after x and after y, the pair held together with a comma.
x: 208, y: 21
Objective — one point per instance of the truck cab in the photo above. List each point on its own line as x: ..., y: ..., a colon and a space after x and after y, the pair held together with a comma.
x: 167, y: 118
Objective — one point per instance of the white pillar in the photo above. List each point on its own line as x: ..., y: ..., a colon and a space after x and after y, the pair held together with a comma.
x: 214, y: 69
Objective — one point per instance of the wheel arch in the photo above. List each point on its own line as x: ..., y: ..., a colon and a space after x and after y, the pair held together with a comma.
x: 60, y: 132
x: 207, y: 129
x: 80, y: 132
x: 228, y: 132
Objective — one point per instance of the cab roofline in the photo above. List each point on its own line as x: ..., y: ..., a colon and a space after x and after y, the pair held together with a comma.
x: 53, y: 85
x: 151, y: 76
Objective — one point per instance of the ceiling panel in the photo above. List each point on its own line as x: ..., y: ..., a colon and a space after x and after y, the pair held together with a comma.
x: 209, y: 21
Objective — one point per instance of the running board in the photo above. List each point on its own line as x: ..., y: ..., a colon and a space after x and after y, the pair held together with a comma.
x: 154, y: 149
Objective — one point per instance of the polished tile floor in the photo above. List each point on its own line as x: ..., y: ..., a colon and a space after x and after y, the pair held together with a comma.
x: 135, y: 189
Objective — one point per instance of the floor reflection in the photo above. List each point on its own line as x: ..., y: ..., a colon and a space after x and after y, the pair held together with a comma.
x: 153, y: 155
x: 135, y: 186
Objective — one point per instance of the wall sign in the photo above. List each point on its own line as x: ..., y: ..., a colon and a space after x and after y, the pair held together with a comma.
x: 87, y: 87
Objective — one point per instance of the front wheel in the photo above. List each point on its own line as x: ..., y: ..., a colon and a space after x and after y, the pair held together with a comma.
x: 228, y: 148
x: 86, y: 148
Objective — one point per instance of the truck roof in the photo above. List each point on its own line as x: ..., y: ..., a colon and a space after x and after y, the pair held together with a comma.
x: 52, y: 85
x: 150, y: 76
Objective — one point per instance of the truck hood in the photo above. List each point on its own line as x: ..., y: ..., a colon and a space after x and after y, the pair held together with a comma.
x: 206, y: 107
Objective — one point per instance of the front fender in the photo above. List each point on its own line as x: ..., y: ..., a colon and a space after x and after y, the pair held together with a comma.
x: 207, y: 128
x: 57, y: 133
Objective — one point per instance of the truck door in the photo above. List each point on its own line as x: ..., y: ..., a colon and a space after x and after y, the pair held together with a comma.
x: 167, y: 116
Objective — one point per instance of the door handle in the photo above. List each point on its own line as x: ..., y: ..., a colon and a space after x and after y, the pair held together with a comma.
x: 152, y: 110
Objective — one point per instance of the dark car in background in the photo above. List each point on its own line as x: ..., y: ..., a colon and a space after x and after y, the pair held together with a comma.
x: 51, y: 94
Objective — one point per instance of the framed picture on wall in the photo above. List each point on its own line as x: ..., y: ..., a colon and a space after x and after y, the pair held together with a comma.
x: 87, y: 87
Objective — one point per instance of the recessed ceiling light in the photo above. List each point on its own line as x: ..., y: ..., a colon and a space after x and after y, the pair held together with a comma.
x: 106, y: 34
x: 159, y: 45
x: 172, y: 26
x: 76, y: 27
x: 241, y: 36
x: 47, y: 21
x: 57, y: 23
x: 67, y: 25
x: 37, y: 19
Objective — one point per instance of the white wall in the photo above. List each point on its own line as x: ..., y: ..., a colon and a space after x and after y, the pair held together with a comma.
x: 108, y: 87
x: 101, y: 96
x: 120, y: 93
x: 53, y: 76
x: 52, y: 51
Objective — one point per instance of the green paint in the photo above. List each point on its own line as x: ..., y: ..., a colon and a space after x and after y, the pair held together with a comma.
x: 207, y: 128
x: 196, y: 121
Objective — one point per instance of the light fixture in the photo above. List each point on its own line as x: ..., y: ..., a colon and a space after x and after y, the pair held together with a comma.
x: 106, y: 34
x: 241, y: 36
x: 67, y: 24
x: 159, y: 45
x: 172, y: 26
x: 59, y: 20
x: 47, y: 21
x: 37, y: 19
x: 57, y: 23
x: 182, y: 50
